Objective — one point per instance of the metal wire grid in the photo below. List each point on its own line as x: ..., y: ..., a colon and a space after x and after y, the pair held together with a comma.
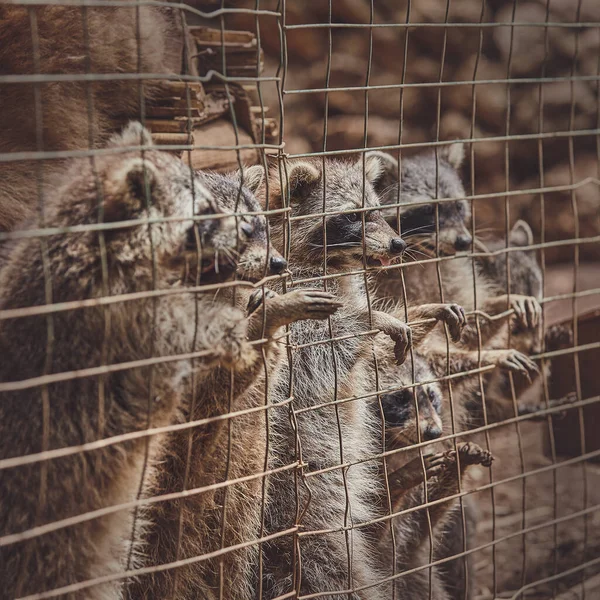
x: 279, y: 80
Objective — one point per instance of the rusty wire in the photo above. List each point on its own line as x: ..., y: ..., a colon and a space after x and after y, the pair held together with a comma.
x: 303, y: 472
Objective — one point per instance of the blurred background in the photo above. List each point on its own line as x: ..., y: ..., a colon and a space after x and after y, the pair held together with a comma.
x: 564, y: 109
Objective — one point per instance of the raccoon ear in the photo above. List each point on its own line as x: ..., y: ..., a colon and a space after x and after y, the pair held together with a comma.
x: 301, y: 178
x: 521, y: 234
x: 133, y: 134
x: 454, y: 154
x: 373, y: 167
x: 388, y: 170
x: 252, y: 177
x: 129, y: 189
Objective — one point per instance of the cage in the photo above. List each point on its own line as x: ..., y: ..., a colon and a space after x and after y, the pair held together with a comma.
x: 299, y: 299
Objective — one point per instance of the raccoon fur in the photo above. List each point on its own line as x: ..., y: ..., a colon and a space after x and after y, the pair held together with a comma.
x: 67, y: 412
x: 305, y: 439
x: 228, y: 449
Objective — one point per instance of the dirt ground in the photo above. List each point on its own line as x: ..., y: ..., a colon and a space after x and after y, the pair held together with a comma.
x: 539, y: 504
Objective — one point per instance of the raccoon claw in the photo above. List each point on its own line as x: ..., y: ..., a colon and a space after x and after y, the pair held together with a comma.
x: 313, y: 304
x: 454, y: 316
x: 527, y: 311
x: 403, y: 338
x: 257, y: 298
x: 411, y: 474
x: 435, y: 464
x: 470, y: 453
x: 513, y: 360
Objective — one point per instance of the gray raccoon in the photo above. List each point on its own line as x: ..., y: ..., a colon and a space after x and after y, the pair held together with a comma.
x: 227, y: 449
x: 413, y: 414
x: 74, y: 114
x: 420, y: 183
x: 322, y: 371
x: 460, y: 282
x: 70, y: 412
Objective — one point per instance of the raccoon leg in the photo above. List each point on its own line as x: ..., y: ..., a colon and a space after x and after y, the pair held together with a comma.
x: 451, y: 314
x: 273, y: 311
x: 458, y: 575
x: 410, y: 475
x: 447, y: 483
x: 444, y: 484
x: 462, y: 361
x: 532, y: 409
x: 399, y: 331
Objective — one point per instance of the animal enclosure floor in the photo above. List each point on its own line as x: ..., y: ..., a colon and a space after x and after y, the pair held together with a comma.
x: 539, y: 504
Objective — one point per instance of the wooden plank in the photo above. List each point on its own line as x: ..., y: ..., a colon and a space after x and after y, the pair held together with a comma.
x: 174, y: 139
x: 221, y: 133
x: 170, y: 112
x: 209, y: 36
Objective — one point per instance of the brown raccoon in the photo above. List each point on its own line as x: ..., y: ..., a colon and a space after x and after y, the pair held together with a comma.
x: 321, y: 372
x: 73, y: 115
x: 67, y: 412
x: 444, y: 471
x: 228, y: 449
x: 417, y: 413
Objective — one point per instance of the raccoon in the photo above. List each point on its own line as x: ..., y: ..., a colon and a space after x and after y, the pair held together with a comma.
x: 73, y: 115
x: 420, y: 182
x: 228, y: 449
x: 422, y: 179
x: 66, y: 412
x: 413, y: 414
x: 321, y: 372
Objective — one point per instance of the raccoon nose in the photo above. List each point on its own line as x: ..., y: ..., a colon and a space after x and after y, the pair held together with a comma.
x: 277, y: 264
x: 397, y: 245
x: 463, y: 242
x: 433, y: 432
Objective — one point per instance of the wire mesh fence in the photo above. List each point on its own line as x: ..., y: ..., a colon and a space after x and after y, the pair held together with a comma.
x: 299, y: 300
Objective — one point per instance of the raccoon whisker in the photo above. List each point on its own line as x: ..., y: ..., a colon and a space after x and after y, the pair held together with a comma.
x: 232, y: 255
x: 385, y: 190
x: 420, y: 246
x: 409, y: 231
x: 415, y: 258
x: 414, y: 250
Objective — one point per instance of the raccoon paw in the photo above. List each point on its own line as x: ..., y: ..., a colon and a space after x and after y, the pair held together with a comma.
x: 528, y: 311
x: 454, y: 317
x: 436, y: 464
x: 402, y: 335
x: 513, y: 360
x: 257, y: 298
x: 469, y: 453
x: 310, y: 304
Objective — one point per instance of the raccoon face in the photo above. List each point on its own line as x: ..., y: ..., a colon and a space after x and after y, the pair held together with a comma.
x: 423, y: 179
x: 234, y: 193
x: 419, y: 223
x: 403, y: 424
x: 158, y: 186
x: 356, y: 228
